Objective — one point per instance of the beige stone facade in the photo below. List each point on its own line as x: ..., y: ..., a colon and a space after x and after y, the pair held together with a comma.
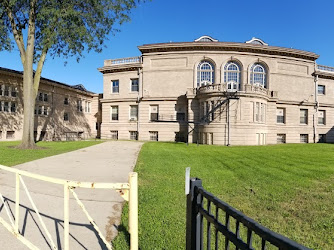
x: 219, y: 93
x: 62, y: 112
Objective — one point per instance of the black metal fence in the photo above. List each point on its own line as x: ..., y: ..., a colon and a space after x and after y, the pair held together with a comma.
x: 225, y: 226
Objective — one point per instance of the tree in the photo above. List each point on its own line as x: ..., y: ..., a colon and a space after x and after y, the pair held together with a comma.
x: 55, y: 28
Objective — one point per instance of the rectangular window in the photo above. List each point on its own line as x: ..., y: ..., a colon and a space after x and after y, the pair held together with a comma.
x: 14, y: 92
x: 114, y: 134
x: 0, y: 132
x: 45, y: 97
x: 304, y: 138
x: 115, y: 86
x: 114, y: 113
x: 66, y: 101
x: 45, y: 110
x: 10, y: 135
x: 303, y: 116
x: 280, y: 113
x: 321, y: 89
x: 40, y: 97
x: 66, y: 117
x: 13, y: 107
x: 133, y: 113
x: 153, y: 135
x: 6, y: 107
x: 1, y: 89
x: 135, y: 85
x: 281, y: 138
x: 212, y: 110
x: 321, y: 117
x: 154, y: 110
x: 133, y: 135
x: 257, y: 111
x: 40, y: 111
x: 6, y: 92
x: 1, y: 106
x: 88, y: 108
x: 322, y: 138
x: 79, y: 105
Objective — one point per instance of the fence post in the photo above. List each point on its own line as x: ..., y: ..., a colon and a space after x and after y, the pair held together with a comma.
x: 66, y: 217
x: 133, y: 210
x: 193, y: 218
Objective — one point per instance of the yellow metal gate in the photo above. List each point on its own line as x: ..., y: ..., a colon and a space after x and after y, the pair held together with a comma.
x: 129, y: 191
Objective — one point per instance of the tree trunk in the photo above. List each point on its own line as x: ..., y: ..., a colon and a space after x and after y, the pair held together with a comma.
x: 29, y: 97
x: 29, y: 91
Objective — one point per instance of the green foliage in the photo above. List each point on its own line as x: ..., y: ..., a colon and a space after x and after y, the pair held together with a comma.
x: 64, y: 27
x: 287, y: 188
x: 11, y: 156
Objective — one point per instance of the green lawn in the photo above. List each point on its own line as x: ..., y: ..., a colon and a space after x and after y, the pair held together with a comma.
x: 10, y: 156
x: 288, y: 188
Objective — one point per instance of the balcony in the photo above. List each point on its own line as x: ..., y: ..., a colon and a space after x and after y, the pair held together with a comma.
x: 121, y: 61
x: 246, y: 90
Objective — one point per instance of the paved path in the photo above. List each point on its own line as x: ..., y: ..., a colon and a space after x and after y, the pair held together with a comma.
x: 106, y: 162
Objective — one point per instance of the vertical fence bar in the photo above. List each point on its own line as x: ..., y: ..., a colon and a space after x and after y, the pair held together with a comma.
x: 66, y: 217
x: 17, y: 203
x: 227, y: 223
x: 192, y: 232
x: 208, y: 230
x: 216, y: 229
x: 133, y: 211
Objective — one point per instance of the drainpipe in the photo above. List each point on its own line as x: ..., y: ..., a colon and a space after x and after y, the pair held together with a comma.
x: 316, y: 108
x: 228, y: 122
x: 139, y: 99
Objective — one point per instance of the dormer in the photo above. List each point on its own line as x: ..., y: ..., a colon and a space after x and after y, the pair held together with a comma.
x: 257, y: 41
x: 206, y: 39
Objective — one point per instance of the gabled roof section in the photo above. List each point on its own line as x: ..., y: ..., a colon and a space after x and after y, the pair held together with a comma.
x: 257, y: 41
x: 79, y: 87
x: 206, y: 39
x: 17, y: 73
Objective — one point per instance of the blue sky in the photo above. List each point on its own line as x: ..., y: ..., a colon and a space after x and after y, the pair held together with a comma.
x: 300, y: 24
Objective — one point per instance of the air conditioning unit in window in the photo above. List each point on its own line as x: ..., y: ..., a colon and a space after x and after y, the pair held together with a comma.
x: 133, y: 119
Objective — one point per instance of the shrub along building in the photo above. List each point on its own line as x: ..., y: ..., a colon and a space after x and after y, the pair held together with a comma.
x: 215, y: 92
x: 62, y: 112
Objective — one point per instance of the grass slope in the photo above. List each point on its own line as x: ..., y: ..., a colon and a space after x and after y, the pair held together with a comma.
x: 10, y: 156
x: 288, y: 188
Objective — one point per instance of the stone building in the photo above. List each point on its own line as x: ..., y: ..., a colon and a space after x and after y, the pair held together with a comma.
x: 222, y: 93
x: 62, y: 112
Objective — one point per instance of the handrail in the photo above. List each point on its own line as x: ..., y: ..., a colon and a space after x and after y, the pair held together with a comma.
x: 70, y: 183
x: 129, y: 191
x: 325, y: 68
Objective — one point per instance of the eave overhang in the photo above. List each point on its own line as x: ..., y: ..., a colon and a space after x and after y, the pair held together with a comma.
x: 324, y: 74
x: 227, y: 46
x: 120, y: 68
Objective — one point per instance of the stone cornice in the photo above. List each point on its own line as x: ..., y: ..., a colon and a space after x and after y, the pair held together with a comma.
x: 324, y: 74
x: 120, y: 68
x: 227, y: 46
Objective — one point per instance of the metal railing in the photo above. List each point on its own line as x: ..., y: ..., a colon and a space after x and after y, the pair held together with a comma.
x: 122, y: 61
x: 219, y: 216
x: 325, y: 68
x: 129, y: 191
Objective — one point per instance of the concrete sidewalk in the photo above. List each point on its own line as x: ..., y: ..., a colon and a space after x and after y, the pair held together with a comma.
x: 106, y: 162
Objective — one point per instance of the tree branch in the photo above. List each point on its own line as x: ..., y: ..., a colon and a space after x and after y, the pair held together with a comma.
x: 18, y: 36
x: 38, y: 73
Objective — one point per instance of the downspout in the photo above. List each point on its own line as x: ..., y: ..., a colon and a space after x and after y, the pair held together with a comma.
x: 228, y: 122
x: 316, y: 108
x: 141, y: 87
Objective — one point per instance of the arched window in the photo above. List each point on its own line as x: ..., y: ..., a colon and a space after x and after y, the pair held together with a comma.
x: 205, y: 73
x: 258, y: 75
x: 232, y: 76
